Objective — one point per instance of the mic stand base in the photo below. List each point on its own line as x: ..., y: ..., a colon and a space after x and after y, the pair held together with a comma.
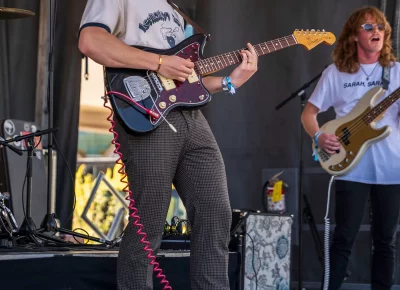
x: 49, y: 223
x: 28, y: 230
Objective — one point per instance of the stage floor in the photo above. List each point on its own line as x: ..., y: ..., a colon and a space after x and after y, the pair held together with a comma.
x: 87, y: 267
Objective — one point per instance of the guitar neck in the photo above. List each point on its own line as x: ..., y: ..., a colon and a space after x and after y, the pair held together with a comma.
x: 382, y: 106
x: 219, y: 62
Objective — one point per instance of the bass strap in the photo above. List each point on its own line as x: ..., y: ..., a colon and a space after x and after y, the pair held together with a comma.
x: 386, y: 77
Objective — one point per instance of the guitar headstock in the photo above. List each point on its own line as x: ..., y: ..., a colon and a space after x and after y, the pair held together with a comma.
x: 311, y: 38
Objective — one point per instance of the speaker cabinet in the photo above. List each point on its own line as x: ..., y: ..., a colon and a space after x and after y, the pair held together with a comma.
x: 266, y: 251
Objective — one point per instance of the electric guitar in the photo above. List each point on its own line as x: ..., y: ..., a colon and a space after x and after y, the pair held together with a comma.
x: 142, y: 98
x: 356, y: 131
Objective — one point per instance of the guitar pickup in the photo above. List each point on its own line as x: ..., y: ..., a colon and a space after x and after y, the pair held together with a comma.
x: 193, y: 78
x: 168, y: 84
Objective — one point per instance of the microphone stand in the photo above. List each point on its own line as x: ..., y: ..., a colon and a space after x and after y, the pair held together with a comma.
x: 49, y: 223
x: 302, y: 94
x: 28, y: 228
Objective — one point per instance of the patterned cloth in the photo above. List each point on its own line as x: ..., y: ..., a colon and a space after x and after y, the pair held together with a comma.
x: 192, y: 161
x: 267, y: 256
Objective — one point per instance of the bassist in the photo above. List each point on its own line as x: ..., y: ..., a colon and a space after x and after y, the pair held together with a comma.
x: 364, y: 48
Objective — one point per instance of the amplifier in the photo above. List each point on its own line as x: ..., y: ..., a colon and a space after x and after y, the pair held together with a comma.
x: 266, y: 251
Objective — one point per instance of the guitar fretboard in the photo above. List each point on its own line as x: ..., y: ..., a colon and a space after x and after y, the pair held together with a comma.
x: 219, y: 62
x: 382, y: 107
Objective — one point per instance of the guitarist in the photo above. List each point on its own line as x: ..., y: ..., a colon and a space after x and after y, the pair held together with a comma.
x: 189, y: 158
x: 363, y: 49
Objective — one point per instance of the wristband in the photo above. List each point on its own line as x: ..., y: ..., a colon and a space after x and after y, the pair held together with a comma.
x: 315, y: 139
x: 316, y: 136
x: 227, y: 86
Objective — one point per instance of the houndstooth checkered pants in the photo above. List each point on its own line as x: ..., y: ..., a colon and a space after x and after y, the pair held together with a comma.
x: 192, y: 161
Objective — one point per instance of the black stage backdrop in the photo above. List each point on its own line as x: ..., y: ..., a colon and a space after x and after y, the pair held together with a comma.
x: 18, y: 62
x: 18, y: 70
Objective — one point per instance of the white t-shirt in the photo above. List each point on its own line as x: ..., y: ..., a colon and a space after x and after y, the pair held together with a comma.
x: 381, y: 162
x: 150, y: 23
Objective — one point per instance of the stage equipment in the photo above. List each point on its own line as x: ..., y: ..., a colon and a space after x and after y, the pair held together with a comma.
x: 13, y: 13
x: 49, y: 222
x: 302, y: 94
x: 28, y: 228
x: 265, y: 247
x: 13, y: 169
x: 8, y: 224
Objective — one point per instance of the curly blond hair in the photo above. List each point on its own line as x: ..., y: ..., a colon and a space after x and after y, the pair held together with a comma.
x: 345, y: 53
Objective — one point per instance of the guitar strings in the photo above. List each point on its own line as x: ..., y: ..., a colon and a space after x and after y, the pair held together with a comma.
x: 258, y: 48
x: 360, y: 122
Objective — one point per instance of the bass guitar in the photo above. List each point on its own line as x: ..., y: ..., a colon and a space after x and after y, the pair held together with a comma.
x: 356, y: 131
x: 142, y: 98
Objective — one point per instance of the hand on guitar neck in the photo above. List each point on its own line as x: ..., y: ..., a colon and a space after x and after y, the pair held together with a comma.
x: 329, y: 143
x: 178, y: 68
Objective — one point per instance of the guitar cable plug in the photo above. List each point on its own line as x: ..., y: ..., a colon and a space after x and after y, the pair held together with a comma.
x: 151, y: 113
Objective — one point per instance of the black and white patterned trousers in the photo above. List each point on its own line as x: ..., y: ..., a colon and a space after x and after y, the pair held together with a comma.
x: 192, y: 161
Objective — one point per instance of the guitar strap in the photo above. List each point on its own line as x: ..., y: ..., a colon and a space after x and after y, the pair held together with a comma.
x: 386, y: 77
x: 188, y: 20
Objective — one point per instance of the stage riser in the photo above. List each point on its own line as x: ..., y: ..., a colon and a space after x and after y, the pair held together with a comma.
x: 88, y: 273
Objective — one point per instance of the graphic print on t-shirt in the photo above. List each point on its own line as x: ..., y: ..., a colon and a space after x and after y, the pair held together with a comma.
x: 170, y: 25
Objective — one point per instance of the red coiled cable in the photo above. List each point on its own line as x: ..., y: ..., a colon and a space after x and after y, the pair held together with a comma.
x: 132, y: 207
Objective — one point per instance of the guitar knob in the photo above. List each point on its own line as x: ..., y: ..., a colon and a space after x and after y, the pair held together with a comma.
x: 350, y: 153
x: 162, y: 105
x: 201, y: 97
x: 346, y: 160
x: 340, y: 165
x: 172, y: 98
